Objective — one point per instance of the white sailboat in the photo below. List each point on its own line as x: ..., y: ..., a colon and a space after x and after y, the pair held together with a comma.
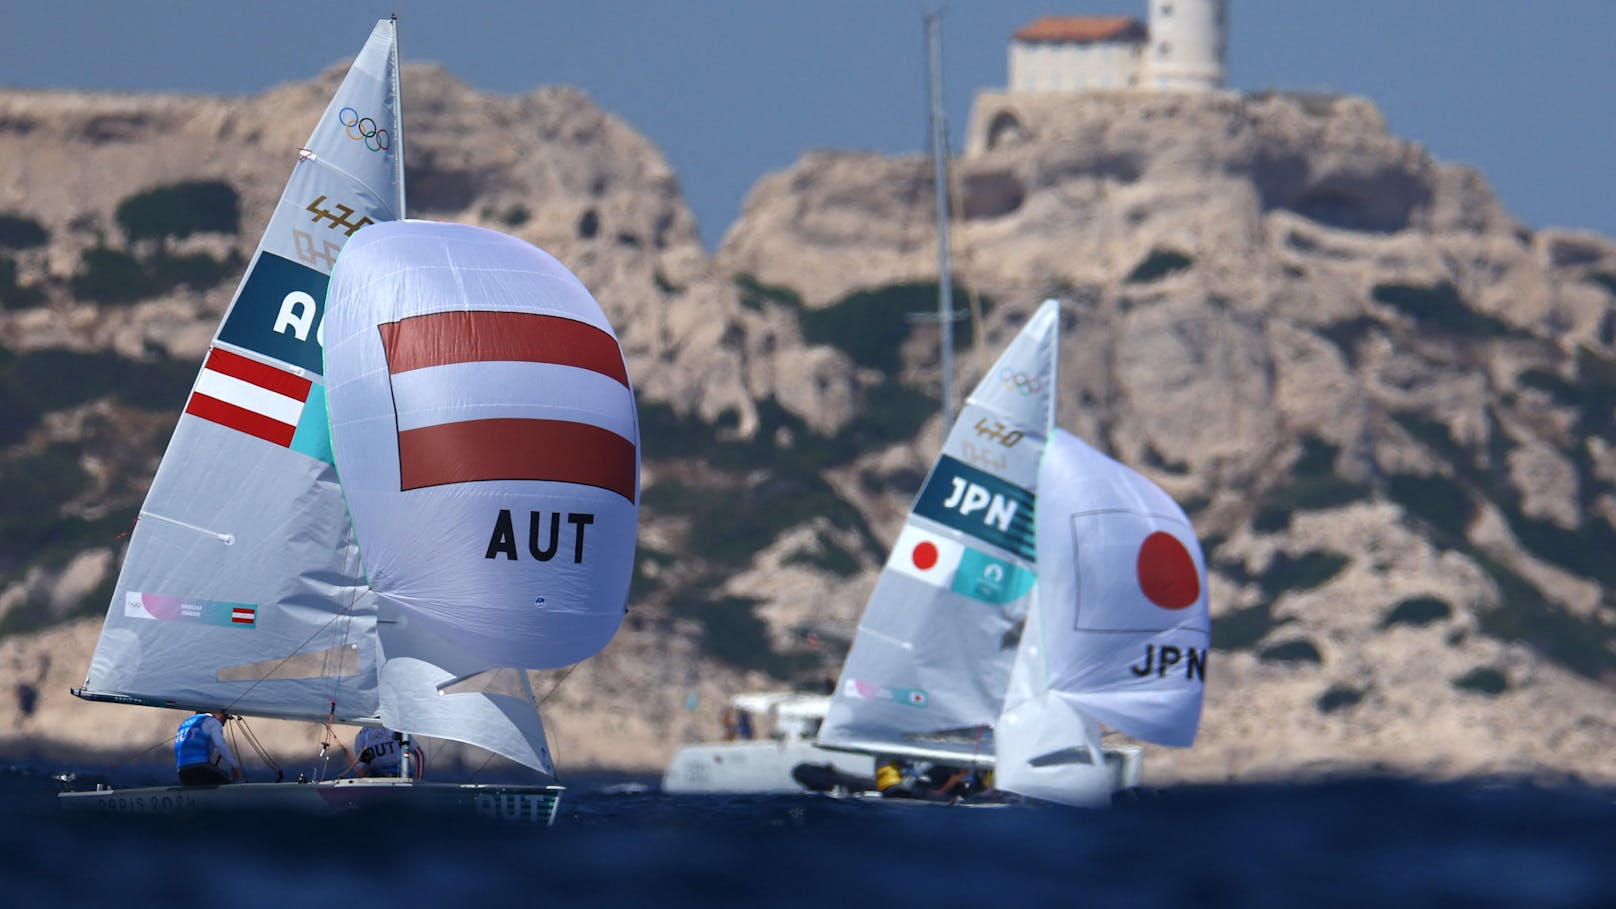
x: 988, y: 645
x: 930, y: 661
x: 390, y: 387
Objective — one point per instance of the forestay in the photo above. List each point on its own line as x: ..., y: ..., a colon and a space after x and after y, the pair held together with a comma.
x: 927, y: 671
x: 1118, y: 632
x: 242, y: 584
x: 484, y: 422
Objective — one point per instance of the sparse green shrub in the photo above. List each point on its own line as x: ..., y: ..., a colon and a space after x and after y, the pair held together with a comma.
x: 1159, y: 264
x: 755, y: 293
x: 1299, y: 651
x: 1339, y: 697
x: 871, y: 326
x: 1559, y: 390
x: 1440, y: 307
x: 1483, y: 680
x: 179, y: 210
x: 21, y: 232
x: 1347, y: 334
x: 14, y: 295
x: 115, y: 276
x: 1417, y: 611
x: 1604, y: 279
x: 1271, y: 519
x: 109, y: 276
x: 1243, y: 629
x: 736, y: 635
x: 829, y: 557
x: 1312, y: 569
x: 1437, y: 500
x: 1584, y: 646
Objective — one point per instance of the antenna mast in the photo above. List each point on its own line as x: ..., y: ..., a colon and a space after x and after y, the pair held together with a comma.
x: 939, y: 158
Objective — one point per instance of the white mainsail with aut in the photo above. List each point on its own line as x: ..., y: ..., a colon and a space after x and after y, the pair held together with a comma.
x: 930, y: 662
x: 219, y: 602
x: 1118, y: 631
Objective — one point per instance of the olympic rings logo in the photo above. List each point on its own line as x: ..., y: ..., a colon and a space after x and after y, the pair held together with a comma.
x: 364, y: 129
x: 1021, y: 383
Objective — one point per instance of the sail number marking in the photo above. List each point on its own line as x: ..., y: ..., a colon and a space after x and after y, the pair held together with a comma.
x: 996, y: 431
x: 339, y: 217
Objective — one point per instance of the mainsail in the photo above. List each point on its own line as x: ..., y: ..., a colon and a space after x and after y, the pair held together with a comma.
x: 242, y: 586
x: 1117, y: 634
x: 484, y: 422
x: 927, y: 672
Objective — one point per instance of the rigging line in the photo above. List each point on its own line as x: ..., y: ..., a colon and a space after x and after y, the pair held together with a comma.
x: 344, y: 613
x: 540, y: 702
x: 225, y: 538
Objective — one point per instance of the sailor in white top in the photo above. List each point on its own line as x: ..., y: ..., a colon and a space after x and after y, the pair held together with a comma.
x: 378, y: 750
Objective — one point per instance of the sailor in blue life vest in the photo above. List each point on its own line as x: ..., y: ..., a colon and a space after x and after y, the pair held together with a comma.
x: 201, y: 755
x: 378, y: 749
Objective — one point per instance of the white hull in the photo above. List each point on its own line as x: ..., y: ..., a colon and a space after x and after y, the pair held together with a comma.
x: 517, y: 803
x: 754, y: 766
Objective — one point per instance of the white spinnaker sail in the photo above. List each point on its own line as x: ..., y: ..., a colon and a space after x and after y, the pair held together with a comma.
x: 483, y: 418
x: 242, y: 585
x: 927, y: 671
x: 1118, y: 632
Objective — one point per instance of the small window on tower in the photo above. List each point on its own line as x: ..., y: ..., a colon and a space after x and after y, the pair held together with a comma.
x: 1163, y: 48
x: 1166, y: 9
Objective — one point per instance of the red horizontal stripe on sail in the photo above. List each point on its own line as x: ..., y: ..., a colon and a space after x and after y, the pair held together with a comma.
x: 263, y: 375
x: 240, y: 419
x: 515, y: 449
x: 441, y: 338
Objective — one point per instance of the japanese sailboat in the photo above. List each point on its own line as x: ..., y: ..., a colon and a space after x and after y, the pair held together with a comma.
x: 1037, y: 590
x: 931, y: 659
x: 403, y: 479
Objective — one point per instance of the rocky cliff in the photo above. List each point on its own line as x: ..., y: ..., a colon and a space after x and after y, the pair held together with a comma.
x: 1388, y: 407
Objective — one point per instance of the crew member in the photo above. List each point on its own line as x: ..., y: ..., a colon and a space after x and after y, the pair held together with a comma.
x: 201, y: 755
x: 379, y: 749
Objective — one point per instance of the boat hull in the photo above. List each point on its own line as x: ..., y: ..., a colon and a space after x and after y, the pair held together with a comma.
x: 521, y: 804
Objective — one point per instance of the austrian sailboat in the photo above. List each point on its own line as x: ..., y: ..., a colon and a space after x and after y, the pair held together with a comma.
x: 400, y: 481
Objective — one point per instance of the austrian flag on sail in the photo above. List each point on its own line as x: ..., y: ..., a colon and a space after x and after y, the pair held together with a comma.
x: 249, y: 396
x: 462, y: 386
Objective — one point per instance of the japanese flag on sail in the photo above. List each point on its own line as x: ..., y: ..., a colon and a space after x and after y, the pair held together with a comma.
x: 463, y: 384
x: 926, y: 556
x: 249, y: 396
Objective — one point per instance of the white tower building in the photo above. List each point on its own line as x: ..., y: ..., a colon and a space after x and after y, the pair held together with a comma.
x: 1187, y: 44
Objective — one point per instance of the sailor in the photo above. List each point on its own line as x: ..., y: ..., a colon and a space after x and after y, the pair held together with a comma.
x: 201, y: 755
x: 379, y: 749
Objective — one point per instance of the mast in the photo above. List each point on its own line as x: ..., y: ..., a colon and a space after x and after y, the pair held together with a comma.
x: 939, y: 152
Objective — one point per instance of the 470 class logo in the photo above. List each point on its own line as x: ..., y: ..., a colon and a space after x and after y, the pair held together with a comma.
x: 364, y: 129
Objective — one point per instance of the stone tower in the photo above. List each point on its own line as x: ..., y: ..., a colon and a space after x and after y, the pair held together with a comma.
x: 1187, y: 43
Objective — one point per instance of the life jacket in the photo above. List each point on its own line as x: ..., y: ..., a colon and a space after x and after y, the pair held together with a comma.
x: 192, y: 744
x: 886, y: 776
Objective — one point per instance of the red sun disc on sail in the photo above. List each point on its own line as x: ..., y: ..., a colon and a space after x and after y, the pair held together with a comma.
x: 925, y: 555
x: 1167, y: 574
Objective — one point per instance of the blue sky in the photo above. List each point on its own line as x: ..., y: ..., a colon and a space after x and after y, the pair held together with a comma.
x: 733, y: 89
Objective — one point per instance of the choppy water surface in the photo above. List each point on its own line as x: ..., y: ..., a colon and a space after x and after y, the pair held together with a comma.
x: 1355, y: 843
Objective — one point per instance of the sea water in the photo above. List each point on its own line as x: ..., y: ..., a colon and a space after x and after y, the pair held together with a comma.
x: 1367, y: 842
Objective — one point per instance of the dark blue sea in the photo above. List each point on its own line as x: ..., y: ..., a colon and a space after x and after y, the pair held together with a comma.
x: 1359, y: 843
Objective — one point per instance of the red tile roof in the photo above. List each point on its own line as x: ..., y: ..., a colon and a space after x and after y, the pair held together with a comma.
x: 1083, y: 29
